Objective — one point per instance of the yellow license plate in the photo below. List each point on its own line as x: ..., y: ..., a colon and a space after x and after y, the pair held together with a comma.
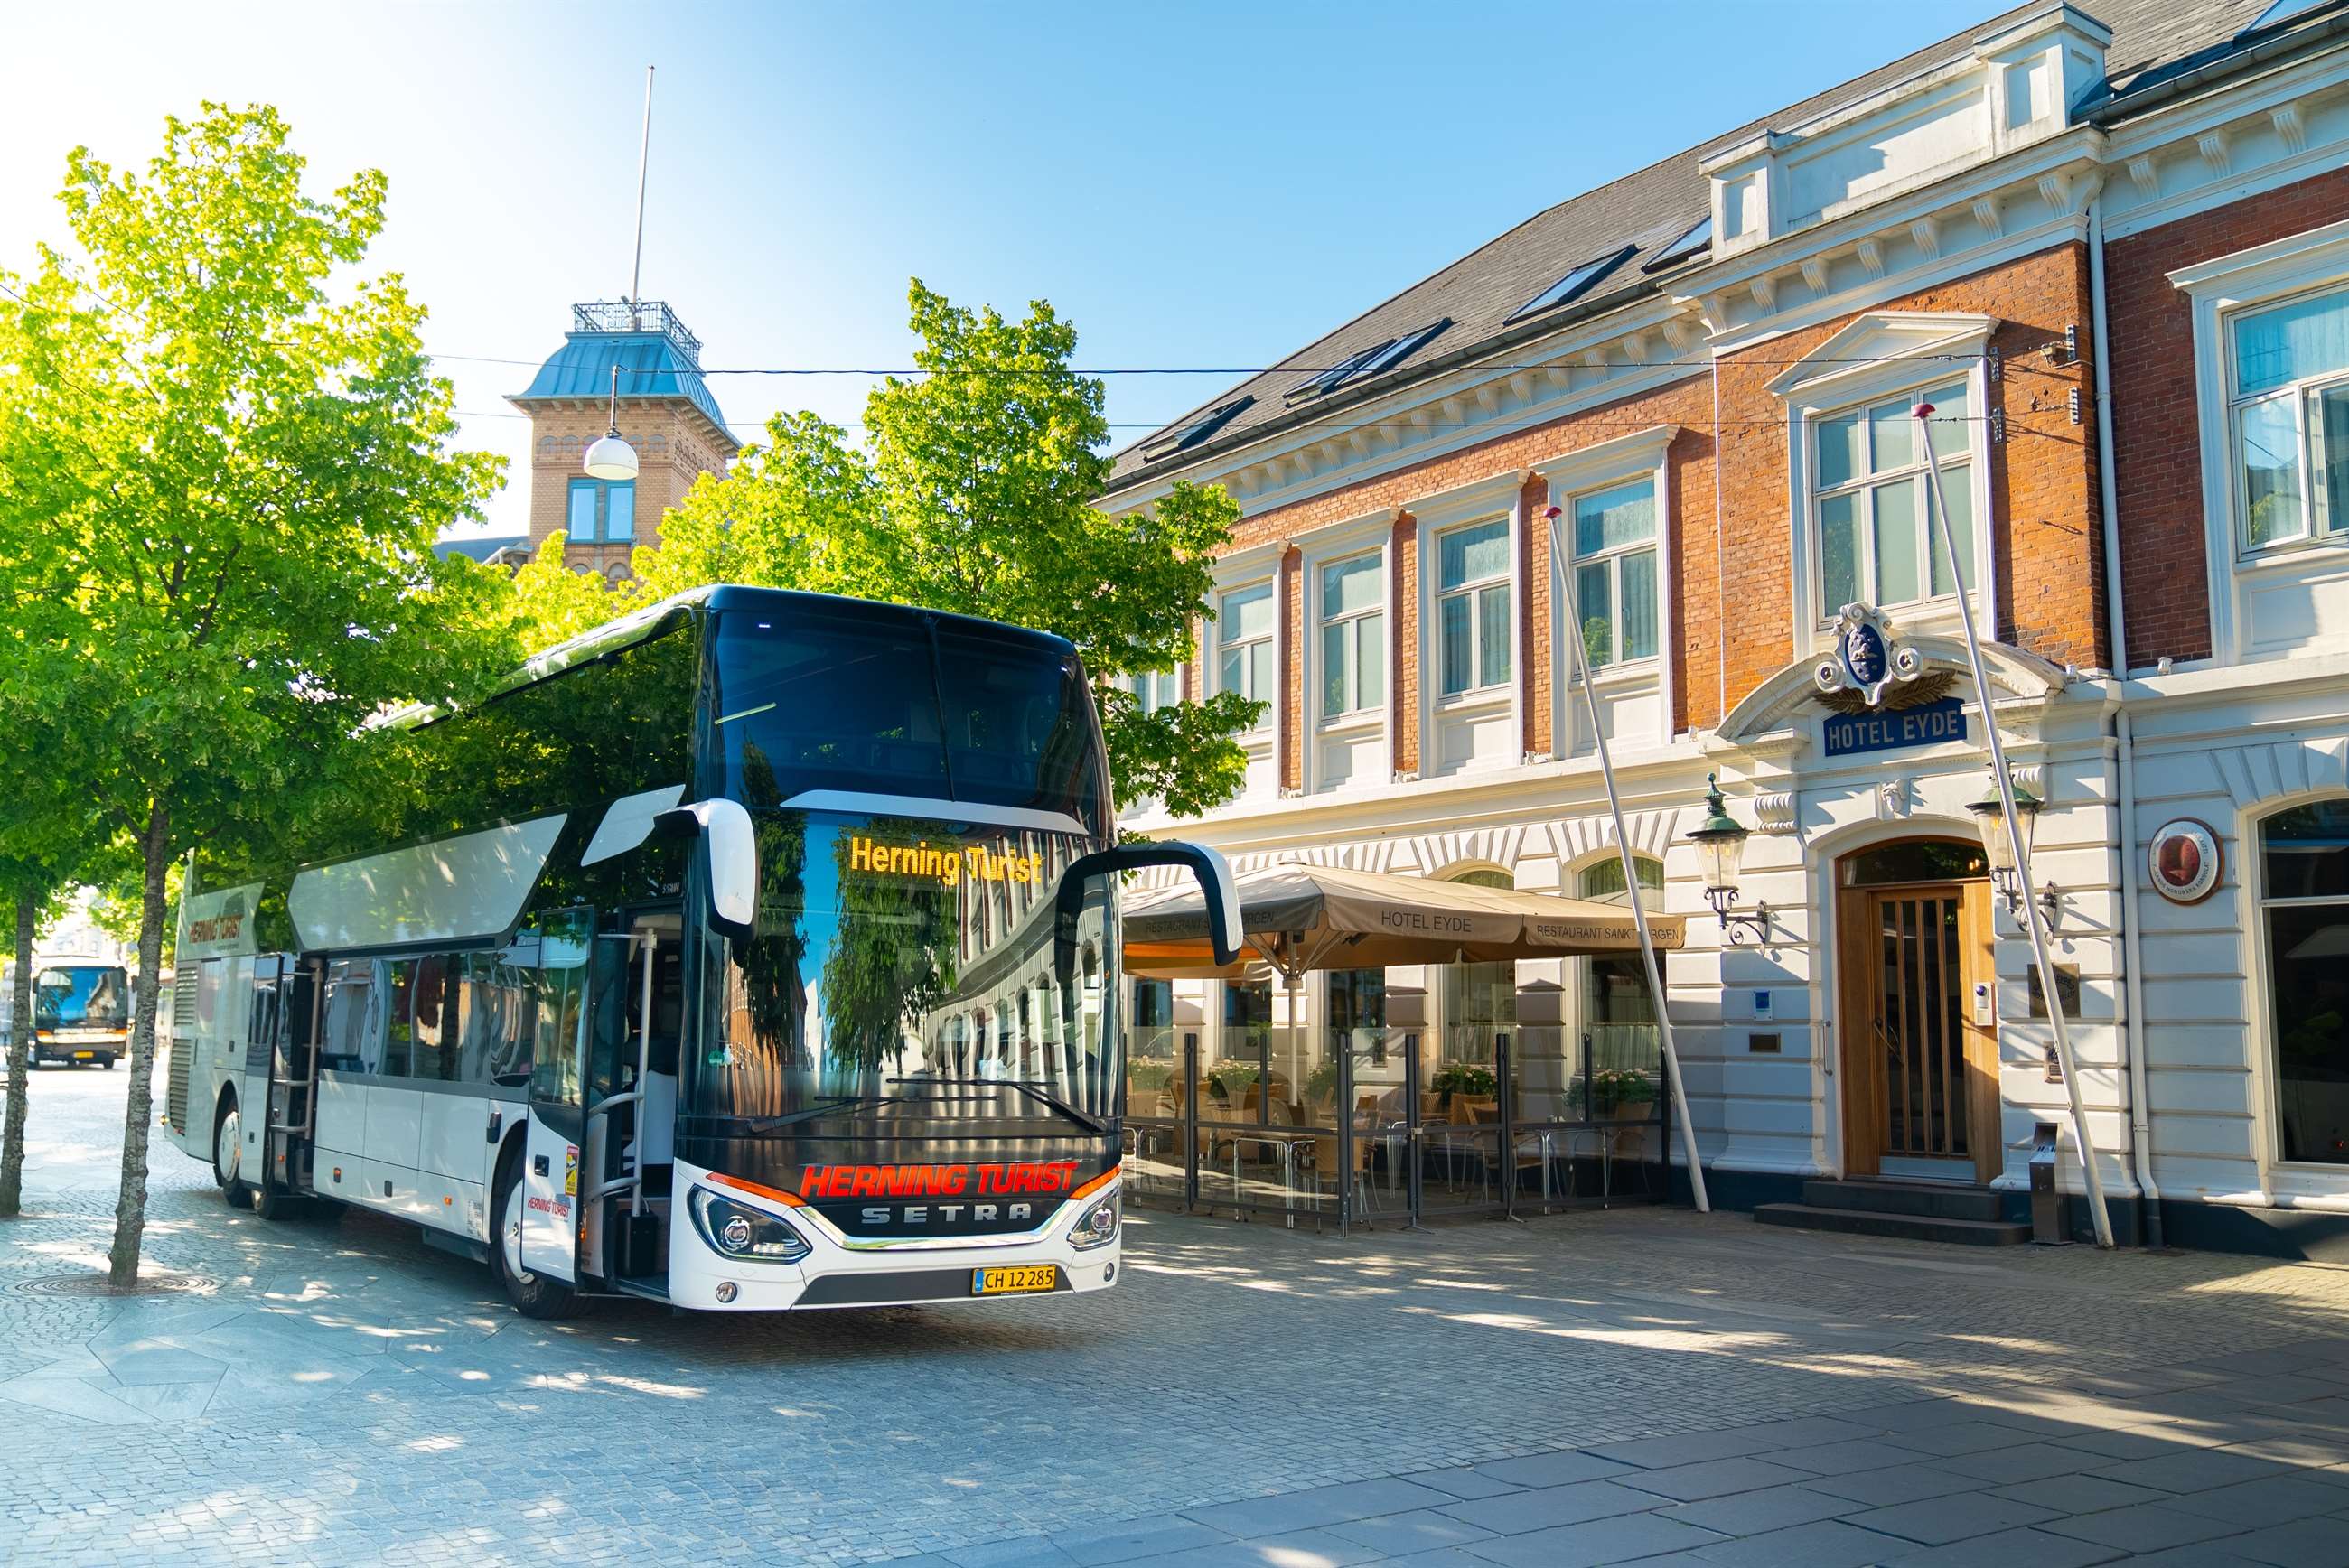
x: 85, y: 1055
x: 1014, y: 1281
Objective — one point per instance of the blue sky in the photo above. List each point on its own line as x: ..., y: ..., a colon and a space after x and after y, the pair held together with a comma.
x: 1194, y: 184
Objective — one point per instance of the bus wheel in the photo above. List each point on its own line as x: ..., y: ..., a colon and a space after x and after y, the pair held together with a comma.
x: 532, y: 1294
x: 273, y: 1203
x: 228, y: 1154
x: 107, y: 1064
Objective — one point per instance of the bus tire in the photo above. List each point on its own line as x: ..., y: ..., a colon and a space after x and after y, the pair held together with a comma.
x: 228, y: 1153
x: 272, y: 1203
x: 531, y: 1296
x: 108, y: 1063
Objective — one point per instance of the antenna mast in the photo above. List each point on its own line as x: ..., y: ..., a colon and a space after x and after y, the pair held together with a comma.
x: 644, y: 154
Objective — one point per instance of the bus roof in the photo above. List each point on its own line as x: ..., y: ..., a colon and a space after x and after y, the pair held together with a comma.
x: 642, y: 625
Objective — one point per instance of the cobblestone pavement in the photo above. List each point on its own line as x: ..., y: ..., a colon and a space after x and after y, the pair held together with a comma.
x: 1609, y: 1387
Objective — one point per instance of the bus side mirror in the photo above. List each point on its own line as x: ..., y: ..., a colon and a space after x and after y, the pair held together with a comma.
x: 733, y: 859
x: 1209, y: 868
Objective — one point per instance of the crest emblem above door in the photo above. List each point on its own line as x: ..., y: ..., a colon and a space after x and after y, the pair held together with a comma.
x: 1868, y: 661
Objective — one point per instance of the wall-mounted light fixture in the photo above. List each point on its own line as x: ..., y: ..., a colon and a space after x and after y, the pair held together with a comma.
x: 2003, y: 874
x: 1720, y: 841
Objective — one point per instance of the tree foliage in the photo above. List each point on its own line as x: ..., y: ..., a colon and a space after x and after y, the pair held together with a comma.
x: 226, y: 471
x: 973, y: 493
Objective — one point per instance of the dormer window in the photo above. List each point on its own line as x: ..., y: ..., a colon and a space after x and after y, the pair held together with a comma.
x: 1573, y: 286
x: 1374, y: 360
x: 1197, y: 430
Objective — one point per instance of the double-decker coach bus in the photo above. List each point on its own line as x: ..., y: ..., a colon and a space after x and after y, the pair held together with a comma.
x: 759, y: 950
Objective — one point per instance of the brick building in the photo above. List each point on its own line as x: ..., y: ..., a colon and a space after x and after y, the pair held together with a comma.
x: 666, y: 411
x: 1708, y: 367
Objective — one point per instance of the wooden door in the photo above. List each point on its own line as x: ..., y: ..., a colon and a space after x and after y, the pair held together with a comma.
x: 1920, y: 1081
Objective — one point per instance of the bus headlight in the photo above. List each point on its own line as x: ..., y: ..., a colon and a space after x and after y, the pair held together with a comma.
x: 1097, y: 1226
x: 738, y: 1231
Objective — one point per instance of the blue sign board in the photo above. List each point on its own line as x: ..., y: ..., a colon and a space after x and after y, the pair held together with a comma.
x: 1927, y: 724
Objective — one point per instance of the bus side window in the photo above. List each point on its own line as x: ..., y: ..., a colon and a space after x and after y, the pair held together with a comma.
x: 432, y: 1045
x: 400, y: 1018
x: 351, y: 997
x: 500, y: 1019
x: 559, y: 986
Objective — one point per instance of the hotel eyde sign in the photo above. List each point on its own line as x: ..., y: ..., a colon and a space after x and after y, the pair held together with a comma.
x: 1880, y: 694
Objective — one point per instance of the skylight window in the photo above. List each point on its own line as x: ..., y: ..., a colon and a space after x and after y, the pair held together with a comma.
x: 1573, y: 285
x: 1698, y: 239
x: 1372, y: 361
x: 2283, y: 11
x: 1196, y: 431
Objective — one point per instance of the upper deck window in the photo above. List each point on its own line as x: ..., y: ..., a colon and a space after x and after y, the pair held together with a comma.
x: 811, y: 696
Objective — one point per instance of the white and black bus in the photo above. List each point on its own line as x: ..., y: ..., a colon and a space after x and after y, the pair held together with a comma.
x: 756, y: 951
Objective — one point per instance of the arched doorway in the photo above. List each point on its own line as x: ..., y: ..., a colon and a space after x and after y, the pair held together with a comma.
x: 1919, y: 1037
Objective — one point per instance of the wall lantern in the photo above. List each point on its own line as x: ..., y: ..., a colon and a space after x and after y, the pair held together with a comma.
x: 1719, y: 842
x: 610, y: 457
x: 1995, y: 844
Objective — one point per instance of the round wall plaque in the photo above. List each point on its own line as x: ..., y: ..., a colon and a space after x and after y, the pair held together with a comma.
x: 2182, y: 858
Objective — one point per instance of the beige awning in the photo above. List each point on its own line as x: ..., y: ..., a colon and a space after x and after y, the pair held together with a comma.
x: 1303, y: 917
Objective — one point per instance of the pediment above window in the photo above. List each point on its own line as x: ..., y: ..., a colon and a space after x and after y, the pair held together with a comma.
x: 1861, y: 349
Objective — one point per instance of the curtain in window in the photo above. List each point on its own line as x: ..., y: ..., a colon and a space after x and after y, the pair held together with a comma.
x: 2291, y: 343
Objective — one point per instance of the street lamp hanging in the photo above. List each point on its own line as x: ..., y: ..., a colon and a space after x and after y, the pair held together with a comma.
x: 1720, y: 843
x: 2005, y: 875
x: 609, y: 457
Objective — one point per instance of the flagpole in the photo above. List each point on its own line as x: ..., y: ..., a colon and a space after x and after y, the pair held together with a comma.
x: 2032, y: 916
x: 1562, y: 585
x: 644, y: 158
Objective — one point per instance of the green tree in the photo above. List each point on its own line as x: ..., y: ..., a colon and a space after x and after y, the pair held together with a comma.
x: 233, y: 464
x: 974, y: 493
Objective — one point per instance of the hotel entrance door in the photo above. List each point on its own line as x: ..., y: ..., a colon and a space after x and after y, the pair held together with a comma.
x: 1919, y: 1051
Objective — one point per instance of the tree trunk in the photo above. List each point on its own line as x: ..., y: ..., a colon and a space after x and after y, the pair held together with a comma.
x: 20, y: 1061
x: 131, y: 1208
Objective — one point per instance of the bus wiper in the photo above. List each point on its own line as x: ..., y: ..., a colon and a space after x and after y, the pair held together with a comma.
x: 1097, y: 1128
x: 759, y: 1127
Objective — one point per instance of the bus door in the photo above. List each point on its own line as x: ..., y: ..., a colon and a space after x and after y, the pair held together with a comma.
x: 286, y: 1002
x: 632, y: 1079
x: 570, y: 960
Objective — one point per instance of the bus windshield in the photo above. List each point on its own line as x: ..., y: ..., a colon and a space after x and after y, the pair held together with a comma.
x: 82, y: 995
x: 874, y: 699
x: 913, y: 979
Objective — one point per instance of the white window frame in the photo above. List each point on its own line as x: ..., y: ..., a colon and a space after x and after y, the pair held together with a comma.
x: 1270, y: 640
x: 1256, y: 565
x: 1610, y: 463
x: 1351, y: 540
x: 2278, y: 1177
x: 1156, y: 690
x: 2218, y: 290
x: 1496, y: 496
x: 1474, y: 591
x: 1323, y: 620
x: 1880, y: 356
x: 1863, y: 488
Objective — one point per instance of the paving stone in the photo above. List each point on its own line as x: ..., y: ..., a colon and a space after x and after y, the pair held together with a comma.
x: 1826, y: 1543
x: 1846, y: 1458
x: 1399, y: 1534
x: 2027, y: 1461
x: 2010, y: 1549
x: 1552, y: 1469
x: 1090, y: 1547
x: 1755, y: 1513
x: 1524, y: 1511
x: 1896, y: 1484
x: 1598, y: 1541
x: 1318, y: 1506
x: 2144, y: 1528
x: 2197, y: 1471
x: 2149, y: 1442
x: 2272, y: 1499
x: 1716, y: 1478
x: 1461, y: 1482
x: 2303, y: 1543
x: 1959, y: 1437
x: 1938, y: 1520
x: 2081, y: 1493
